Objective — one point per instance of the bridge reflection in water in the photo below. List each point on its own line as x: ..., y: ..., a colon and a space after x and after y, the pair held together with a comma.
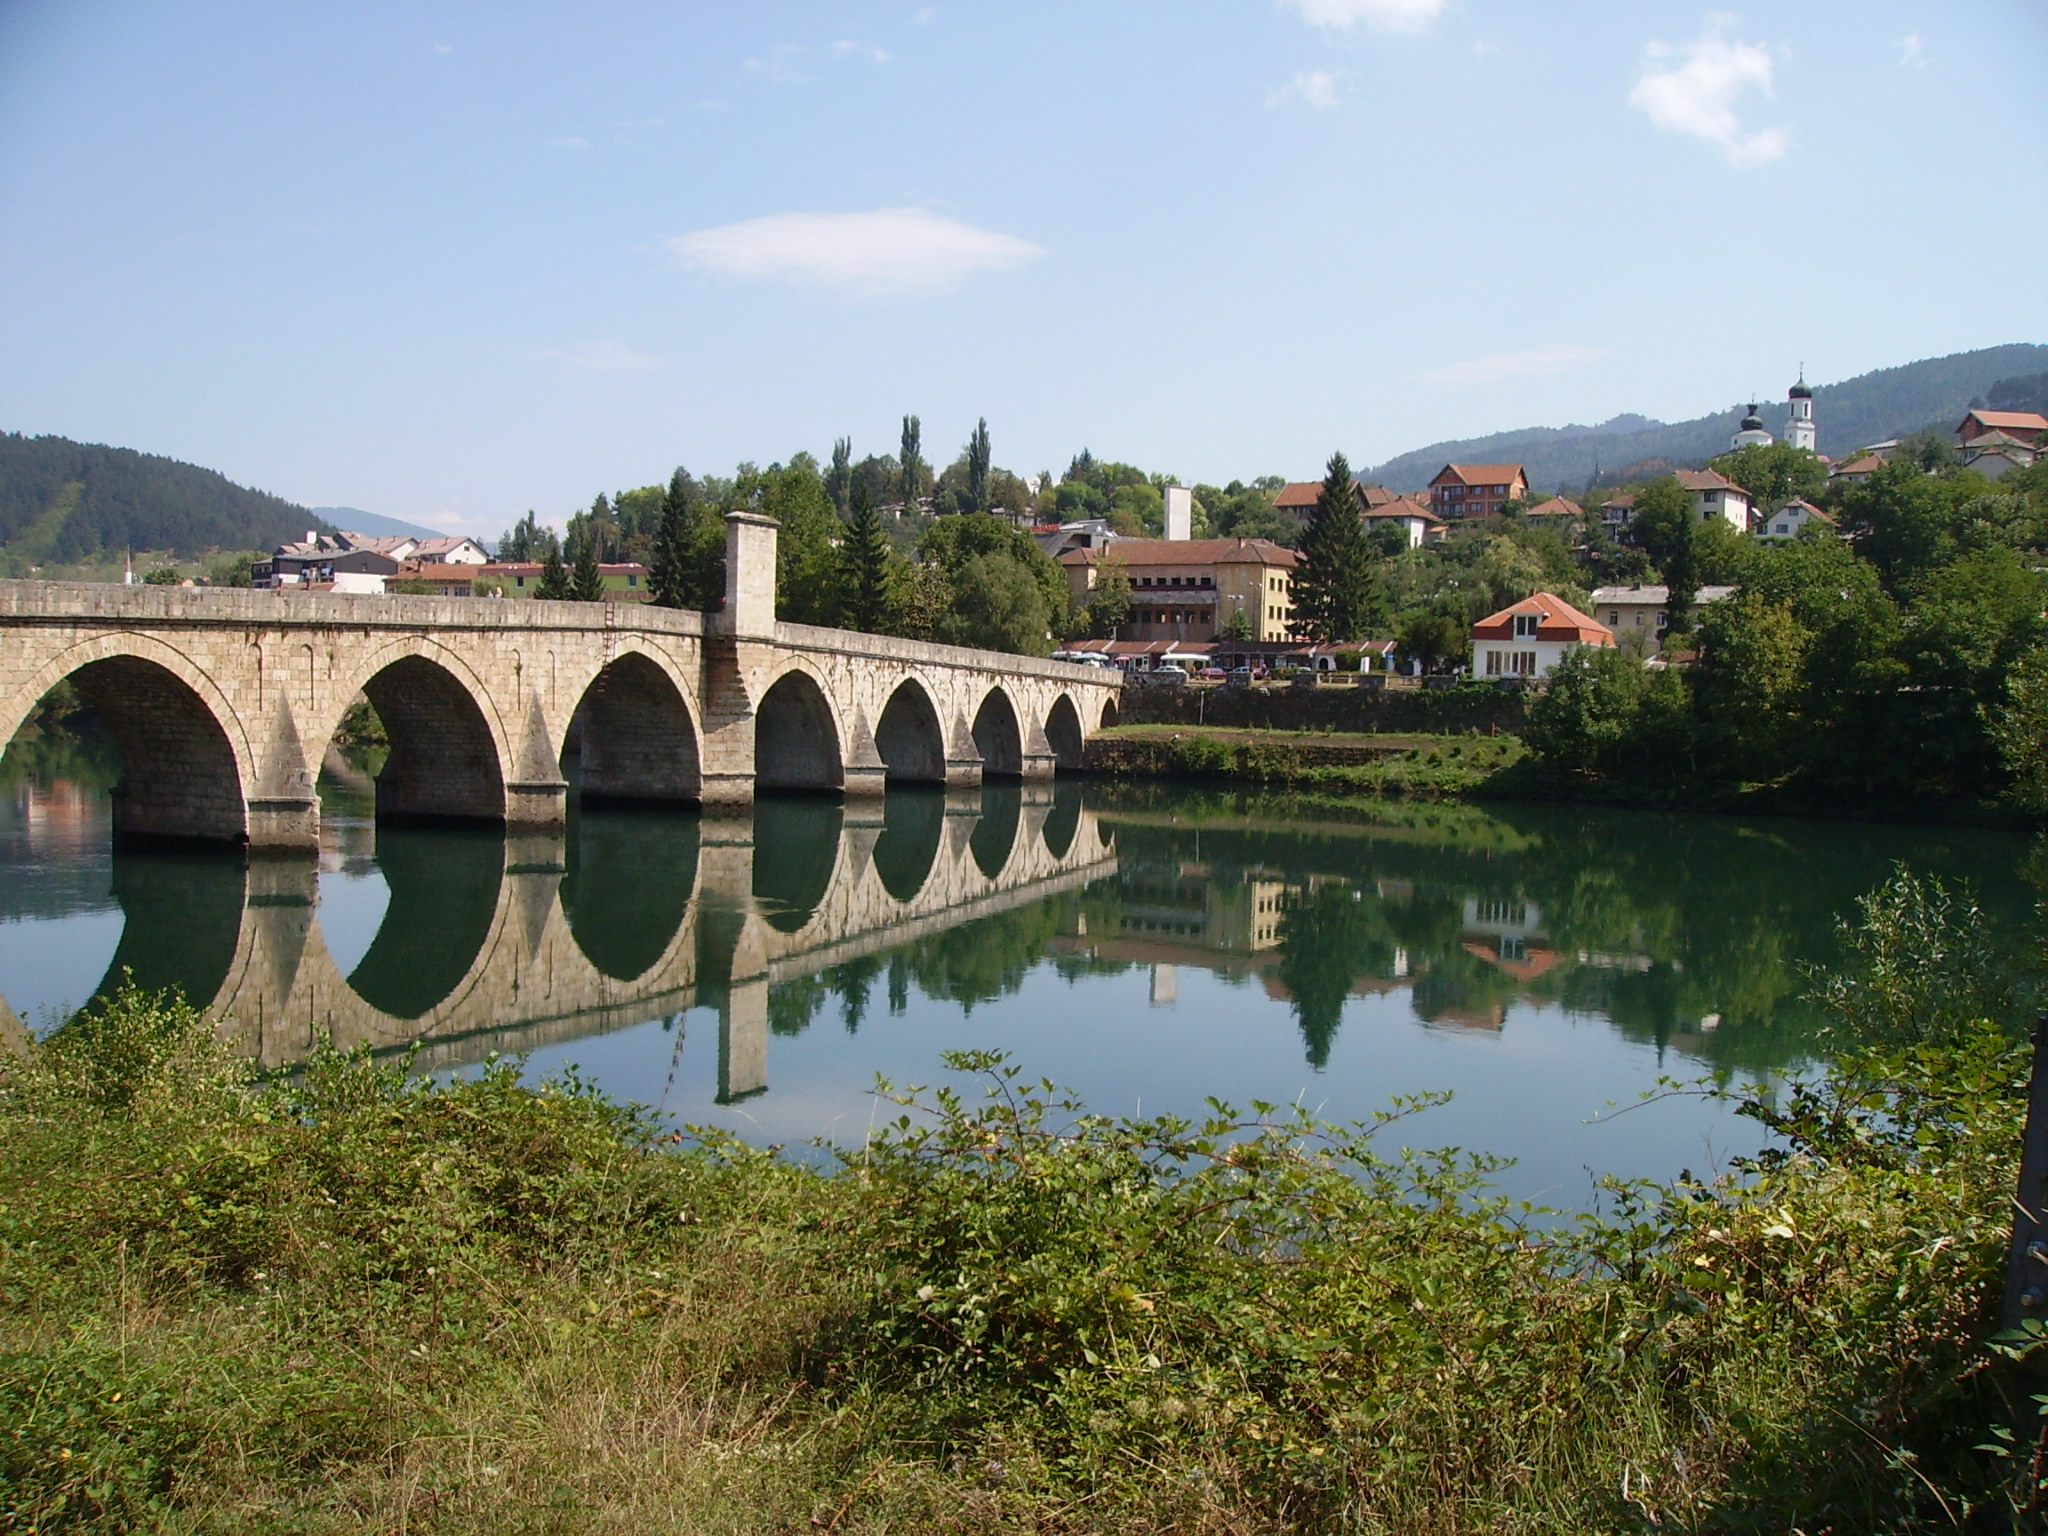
x: 504, y: 944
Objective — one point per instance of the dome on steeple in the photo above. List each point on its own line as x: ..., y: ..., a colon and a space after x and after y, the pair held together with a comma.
x: 1752, y: 422
x: 1800, y: 391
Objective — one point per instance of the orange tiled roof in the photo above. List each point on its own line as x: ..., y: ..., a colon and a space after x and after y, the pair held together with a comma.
x: 1560, y: 621
x: 1481, y: 474
x: 1187, y: 552
x: 2025, y: 421
x: 1705, y: 480
x: 1557, y: 506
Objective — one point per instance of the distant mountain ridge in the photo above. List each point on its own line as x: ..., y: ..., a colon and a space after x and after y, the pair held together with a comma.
x: 63, y: 501
x: 1869, y: 408
x: 375, y: 524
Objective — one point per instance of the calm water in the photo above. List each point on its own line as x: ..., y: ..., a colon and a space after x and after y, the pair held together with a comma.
x: 1149, y: 948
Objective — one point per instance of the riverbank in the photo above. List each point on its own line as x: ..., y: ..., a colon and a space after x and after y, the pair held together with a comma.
x: 354, y: 1299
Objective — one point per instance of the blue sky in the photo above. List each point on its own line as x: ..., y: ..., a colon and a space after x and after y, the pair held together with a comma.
x: 446, y: 261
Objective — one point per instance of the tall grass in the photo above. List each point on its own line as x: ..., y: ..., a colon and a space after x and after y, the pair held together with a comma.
x: 356, y: 1299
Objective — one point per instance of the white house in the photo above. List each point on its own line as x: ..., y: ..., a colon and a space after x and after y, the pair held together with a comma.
x: 1528, y: 639
x: 1640, y: 614
x: 1789, y: 520
x: 1715, y: 495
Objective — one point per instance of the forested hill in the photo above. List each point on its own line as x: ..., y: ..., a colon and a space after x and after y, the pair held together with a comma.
x: 1867, y: 409
x: 62, y: 501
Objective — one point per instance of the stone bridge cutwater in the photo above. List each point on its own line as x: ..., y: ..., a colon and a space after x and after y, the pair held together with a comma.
x: 505, y: 943
x: 223, y: 702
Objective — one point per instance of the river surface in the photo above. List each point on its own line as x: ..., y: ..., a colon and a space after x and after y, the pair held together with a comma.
x: 1149, y: 947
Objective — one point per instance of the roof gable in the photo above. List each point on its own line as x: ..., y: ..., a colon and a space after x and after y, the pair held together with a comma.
x: 1556, y: 620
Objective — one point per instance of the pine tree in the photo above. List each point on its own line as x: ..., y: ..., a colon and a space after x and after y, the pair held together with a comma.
x: 668, y: 574
x: 1334, y: 586
x: 977, y: 467
x: 554, y: 578
x: 586, y: 581
x: 910, y: 464
x: 864, y: 557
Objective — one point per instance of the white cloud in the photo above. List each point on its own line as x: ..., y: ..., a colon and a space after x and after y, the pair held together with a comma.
x: 605, y: 357
x: 925, y: 15
x: 1312, y: 87
x: 847, y: 45
x: 1538, y: 362
x: 1380, y: 15
x: 889, y: 251
x: 1912, y: 51
x: 778, y: 70
x: 571, y: 142
x: 1697, y: 97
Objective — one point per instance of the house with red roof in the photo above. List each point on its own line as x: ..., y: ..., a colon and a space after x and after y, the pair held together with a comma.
x: 1462, y: 492
x: 1715, y: 495
x: 1792, y: 519
x: 1529, y: 638
x: 2027, y: 426
x: 1412, y: 515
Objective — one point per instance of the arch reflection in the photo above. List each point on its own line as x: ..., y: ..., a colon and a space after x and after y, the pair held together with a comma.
x: 444, y: 894
x: 796, y: 848
x: 995, y: 830
x: 181, y: 921
x: 913, y: 825
x: 631, y: 873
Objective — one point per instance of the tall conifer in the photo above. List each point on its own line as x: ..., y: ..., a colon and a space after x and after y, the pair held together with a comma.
x: 554, y: 577
x: 864, y: 557
x: 1334, y: 585
x: 977, y: 467
x: 586, y: 581
x: 668, y: 574
x: 910, y: 472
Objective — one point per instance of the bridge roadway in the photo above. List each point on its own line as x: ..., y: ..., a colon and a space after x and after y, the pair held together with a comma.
x: 223, y: 703
x: 507, y: 943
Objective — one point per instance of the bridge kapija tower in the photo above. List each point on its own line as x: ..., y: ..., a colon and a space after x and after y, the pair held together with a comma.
x: 223, y: 702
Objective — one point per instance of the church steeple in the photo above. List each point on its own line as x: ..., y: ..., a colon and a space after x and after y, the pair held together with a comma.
x: 1800, y: 431
x: 1751, y: 431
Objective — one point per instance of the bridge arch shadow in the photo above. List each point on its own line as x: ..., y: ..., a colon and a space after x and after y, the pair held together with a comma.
x: 913, y: 827
x: 444, y: 897
x: 994, y: 837
x: 796, y: 740
x: 444, y: 763
x: 909, y: 738
x: 1109, y: 715
x: 180, y: 779
x: 997, y: 737
x: 796, y: 855
x: 631, y: 873
x: 635, y: 736
x: 1063, y: 732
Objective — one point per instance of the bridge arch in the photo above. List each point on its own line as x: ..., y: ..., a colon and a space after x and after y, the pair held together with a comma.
x: 909, y: 737
x: 1109, y: 714
x: 1063, y: 732
x: 184, y: 757
x: 997, y: 736
x: 797, y: 740
x: 449, y: 749
x: 638, y: 734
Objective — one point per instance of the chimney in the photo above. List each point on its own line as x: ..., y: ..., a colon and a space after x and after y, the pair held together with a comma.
x: 312, y: 537
x: 1180, y: 512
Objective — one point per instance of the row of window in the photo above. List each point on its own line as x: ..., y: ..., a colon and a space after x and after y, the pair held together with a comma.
x: 1176, y: 581
x: 1510, y: 663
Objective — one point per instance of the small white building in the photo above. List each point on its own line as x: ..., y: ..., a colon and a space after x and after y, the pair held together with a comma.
x: 1528, y: 639
x: 1412, y: 515
x: 1715, y: 495
x: 1790, y: 520
x: 1639, y: 615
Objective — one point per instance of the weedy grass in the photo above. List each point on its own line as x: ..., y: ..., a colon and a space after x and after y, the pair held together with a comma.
x: 359, y: 1299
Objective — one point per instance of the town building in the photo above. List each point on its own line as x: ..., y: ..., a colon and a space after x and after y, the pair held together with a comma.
x: 1556, y: 506
x: 1639, y: 615
x: 624, y: 582
x: 1715, y: 495
x: 2028, y: 427
x: 1188, y: 589
x: 323, y: 561
x: 1792, y: 519
x: 1462, y: 492
x: 1858, y: 469
x: 1800, y: 429
x: 1751, y: 433
x: 434, y: 578
x: 1996, y: 454
x: 1528, y: 639
x: 1411, y: 514
x: 1617, y: 512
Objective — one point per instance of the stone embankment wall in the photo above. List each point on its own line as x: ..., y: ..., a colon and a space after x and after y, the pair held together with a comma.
x: 1329, y: 708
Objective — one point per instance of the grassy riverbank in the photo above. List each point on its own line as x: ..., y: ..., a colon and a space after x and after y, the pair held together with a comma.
x: 355, y: 1300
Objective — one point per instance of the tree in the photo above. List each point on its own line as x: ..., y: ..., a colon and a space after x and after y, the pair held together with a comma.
x: 806, y: 547
x: 668, y: 574
x: 1583, y: 717
x: 554, y: 578
x: 977, y: 468
x: 1433, y: 639
x: 1109, y: 604
x: 864, y: 561
x: 586, y: 581
x: 525, y: 540
x: 911, y: 468
x: 997, y: 606
x: 839, y: 478
x: 1666, y: 527
x: 162, y: 576
x: 1334, y: 598
x: 1774, y: 473
x: 952, y: 541
x: 1237, y: 627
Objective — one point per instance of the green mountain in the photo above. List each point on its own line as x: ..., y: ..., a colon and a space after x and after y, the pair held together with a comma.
x: 375, y: 524
x: 1867, y: 409
x: 62, y: 501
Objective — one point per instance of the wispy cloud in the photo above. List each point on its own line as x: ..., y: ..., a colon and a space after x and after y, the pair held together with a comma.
x: 847, y: 45
x: 1912, y: 51
x: 1312, y: 87
x: 442, y: 48
x: 1380, y: 15
x: 571, y: 142
x: 779, y: 68
x: 604, y: 357
x: 865, y: 255
x: 1697, y: 96
x: 1536, y: 363
x: 925, y: 15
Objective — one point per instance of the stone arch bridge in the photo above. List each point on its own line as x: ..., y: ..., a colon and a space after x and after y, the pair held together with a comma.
x: 223, y: 703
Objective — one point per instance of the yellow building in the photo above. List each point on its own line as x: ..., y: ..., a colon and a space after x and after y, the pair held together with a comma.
x: 1187, y: 589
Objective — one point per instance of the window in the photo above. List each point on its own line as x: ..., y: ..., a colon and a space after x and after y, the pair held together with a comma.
x: 1525, y: 663
x: 632, y: 578
x: 1613, y: 617
x: 1783, y: 529
x: 1493, y: 663
x: 1526, y: 625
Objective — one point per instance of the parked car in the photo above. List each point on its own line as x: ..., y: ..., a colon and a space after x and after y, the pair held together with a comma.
x: 1169, y: 676
x: 1211, y: 674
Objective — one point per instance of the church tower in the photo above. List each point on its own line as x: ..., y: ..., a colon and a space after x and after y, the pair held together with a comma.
x: 1752, y: 431
x: 1800, y: 431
